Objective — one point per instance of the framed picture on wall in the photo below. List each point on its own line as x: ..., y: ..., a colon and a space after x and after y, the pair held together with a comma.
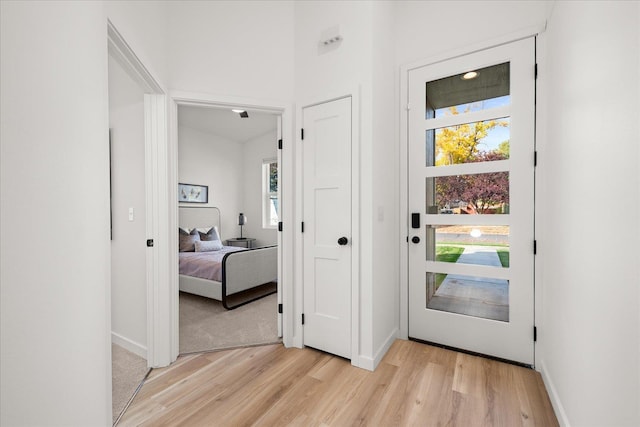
x: 190, y: 193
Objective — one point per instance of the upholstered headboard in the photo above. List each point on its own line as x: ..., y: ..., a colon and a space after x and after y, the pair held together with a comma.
x: 199, y: 217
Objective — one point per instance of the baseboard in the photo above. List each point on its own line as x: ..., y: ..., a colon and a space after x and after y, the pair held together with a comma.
x: 371, y: 363
x: 128, y: 344
x: 553, y: 396
x: 385, y: 347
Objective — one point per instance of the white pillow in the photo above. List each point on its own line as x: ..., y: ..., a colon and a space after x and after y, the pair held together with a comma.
x: 208, y: 245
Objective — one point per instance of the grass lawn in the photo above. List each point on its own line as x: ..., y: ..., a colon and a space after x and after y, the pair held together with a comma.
x: 503, y: 254
x: 446, y: 254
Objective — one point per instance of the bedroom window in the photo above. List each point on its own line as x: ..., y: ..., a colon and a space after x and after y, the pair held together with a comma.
x: 270, y: 193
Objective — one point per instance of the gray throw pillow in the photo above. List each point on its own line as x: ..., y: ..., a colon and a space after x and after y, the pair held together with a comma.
x: 187, y: 240
x: 212, y: 234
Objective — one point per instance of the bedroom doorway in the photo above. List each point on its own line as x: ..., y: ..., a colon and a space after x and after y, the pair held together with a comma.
x: 230, y: 155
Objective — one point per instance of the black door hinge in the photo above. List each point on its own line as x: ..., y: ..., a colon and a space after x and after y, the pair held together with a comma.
x: 535, y: 334
x: 149, y: 243
x: 302, y: 227
x: 303, y: 318
x: 280, y: 308
x: 535, y: 158
x: 535, y: 247
x: 535, y: 71
x: 280, y: 226
x: 280, y: 144
x: 302, y: 134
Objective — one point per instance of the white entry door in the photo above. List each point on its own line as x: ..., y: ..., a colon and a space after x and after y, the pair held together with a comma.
x: 471, y: 190
x: 326, y: 152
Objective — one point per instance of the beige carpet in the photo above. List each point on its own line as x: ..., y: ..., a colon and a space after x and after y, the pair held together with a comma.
x: 128, y: 371
x: 206, y: 325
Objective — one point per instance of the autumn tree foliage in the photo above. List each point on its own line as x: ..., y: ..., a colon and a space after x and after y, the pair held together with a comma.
x: 461, y: 143
x: 479, y: 193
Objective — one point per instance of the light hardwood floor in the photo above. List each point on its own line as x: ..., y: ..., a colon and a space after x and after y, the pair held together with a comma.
x: 415, y: 384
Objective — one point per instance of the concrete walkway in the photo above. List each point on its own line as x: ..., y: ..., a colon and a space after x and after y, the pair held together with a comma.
x: 474, y: 296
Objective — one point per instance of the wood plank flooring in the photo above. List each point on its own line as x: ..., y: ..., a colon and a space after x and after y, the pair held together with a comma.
x: 415, y: 384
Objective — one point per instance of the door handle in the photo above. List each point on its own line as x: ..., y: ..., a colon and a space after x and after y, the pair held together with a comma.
x: 415, y: 239
x: 343, y: 241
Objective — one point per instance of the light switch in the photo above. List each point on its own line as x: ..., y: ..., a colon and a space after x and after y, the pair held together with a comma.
x: 130, y: 214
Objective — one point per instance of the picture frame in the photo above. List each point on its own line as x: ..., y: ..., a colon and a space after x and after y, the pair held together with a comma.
x: 192, y: 193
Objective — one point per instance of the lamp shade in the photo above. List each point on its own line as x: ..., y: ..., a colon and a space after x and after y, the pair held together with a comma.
x: 242, y: 219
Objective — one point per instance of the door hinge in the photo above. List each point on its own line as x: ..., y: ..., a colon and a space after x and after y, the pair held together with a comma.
x: 302, y: 134
x: 535, y: 334
x: 280, y: 144
x: 149, y: 243
x: 535, y: 158
x: 535, y: 71
x: 280, y: 308
x: 535, y: 247
x: 302, y: 226
x: 280, y: 226
x: 303, y: 318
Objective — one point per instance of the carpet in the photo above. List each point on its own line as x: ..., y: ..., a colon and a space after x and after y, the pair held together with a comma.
x: 127, y: 371
x: 206, y: 325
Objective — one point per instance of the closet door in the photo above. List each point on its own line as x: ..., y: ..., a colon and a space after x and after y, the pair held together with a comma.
x: 326, y: 147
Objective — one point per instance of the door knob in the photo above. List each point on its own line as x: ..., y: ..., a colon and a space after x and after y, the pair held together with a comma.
x: 343, y: 241
x: 415, y: 239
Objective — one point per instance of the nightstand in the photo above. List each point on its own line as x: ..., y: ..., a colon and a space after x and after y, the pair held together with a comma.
x: 245, y: 242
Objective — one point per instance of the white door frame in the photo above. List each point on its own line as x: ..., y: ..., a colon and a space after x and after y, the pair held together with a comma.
x: 354, y: 94
x: 155, y: 140
x: 285, y: 238
x: 404, y: 169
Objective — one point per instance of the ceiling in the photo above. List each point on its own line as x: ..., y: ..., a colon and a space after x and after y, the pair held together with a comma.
x: 225, y: 123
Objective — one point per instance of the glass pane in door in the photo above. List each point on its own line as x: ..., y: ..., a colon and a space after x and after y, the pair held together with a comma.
x: 469, y: 244
x: 473, y: 194
x: 483, y: 297
x: 472, y: 90
x: 474, y: 142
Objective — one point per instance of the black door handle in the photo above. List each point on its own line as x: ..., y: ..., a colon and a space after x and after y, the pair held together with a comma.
x: 415, y: 239
x: 343, y: 241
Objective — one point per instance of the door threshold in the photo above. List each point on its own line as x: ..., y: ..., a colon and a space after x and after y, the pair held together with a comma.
x: 472, y: 353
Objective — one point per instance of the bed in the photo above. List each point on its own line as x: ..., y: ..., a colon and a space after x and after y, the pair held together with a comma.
x: 209, y: 269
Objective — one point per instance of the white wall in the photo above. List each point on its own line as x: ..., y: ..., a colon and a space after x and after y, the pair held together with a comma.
x: 54, y: 215
x: 128, y: 249
x: 348, y: 67
x: 591, y: 199
x: 143, y: 24
x: 233, y: 48
x: 254, y: 152
x: 207, y: 159
x: 385, y: 179
x: 428, y: 28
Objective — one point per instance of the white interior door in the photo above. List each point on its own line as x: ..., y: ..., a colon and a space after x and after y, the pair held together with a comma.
x: 471, y: 189
x: 326, y: 148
